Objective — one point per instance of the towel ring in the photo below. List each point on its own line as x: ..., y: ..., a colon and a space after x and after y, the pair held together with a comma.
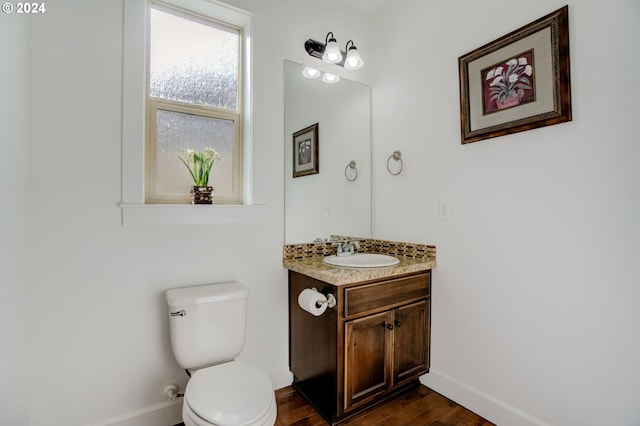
x: 396, y: 156
x: 351, y: 165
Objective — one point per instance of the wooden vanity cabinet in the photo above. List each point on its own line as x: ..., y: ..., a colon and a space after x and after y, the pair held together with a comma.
x: 373, y: 344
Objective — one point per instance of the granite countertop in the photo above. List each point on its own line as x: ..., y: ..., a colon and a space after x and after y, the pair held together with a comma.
x: 314, y: 267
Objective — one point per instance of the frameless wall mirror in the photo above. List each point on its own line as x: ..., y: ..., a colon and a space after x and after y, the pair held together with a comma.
x: 337, y: 199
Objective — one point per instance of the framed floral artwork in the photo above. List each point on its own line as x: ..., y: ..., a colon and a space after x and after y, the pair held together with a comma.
x: 305, y: 151
x: 518, y: 82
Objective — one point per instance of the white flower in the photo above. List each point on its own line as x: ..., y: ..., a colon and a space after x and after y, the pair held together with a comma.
x: 513, y: 78
x: 490, y: 74
x: 528, y: 70
x: 496, y: 80
x: 188, y: 155
x: 211, y: 154
x: 522, y: 61
x: 512, y: 62
x: 199, y: 164
x: 499, y: 70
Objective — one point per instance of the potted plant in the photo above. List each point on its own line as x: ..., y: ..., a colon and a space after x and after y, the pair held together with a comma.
x: 199, y: 165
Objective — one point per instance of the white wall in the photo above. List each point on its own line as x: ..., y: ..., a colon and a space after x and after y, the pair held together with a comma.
x: 97, y: 338
x: 13, y: 231
x: 535, y: 295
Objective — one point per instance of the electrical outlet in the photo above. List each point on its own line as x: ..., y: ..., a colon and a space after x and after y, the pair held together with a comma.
x: 444, y: 210
x: 326, y: 212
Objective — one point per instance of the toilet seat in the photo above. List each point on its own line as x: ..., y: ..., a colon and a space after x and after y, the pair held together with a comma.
x: 230, y: 394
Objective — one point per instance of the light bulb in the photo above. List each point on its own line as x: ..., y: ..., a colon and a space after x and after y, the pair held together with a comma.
x: 332, y: 52
x: 353, y: 61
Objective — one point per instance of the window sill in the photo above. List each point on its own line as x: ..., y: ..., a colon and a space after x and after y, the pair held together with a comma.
x: 138, y: 214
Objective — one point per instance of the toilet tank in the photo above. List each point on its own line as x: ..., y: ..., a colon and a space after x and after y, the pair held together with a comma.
x: 207, y: 323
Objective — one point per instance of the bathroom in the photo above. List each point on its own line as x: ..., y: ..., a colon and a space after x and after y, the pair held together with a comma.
x: 533, y: 306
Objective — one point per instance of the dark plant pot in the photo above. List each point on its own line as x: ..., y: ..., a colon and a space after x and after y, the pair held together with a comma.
x: 201, y: 195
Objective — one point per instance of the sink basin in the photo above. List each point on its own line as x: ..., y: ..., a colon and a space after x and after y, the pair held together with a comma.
x: 362, y: 260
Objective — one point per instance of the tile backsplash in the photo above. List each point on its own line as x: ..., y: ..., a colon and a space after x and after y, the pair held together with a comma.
x: 367, y: 245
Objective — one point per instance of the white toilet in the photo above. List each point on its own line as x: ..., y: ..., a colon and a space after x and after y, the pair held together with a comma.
x: 207, y: 326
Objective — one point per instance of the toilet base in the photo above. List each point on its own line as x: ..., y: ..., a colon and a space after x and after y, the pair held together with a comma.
x: 192, y: 419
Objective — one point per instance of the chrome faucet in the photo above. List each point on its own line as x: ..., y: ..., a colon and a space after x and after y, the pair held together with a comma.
x: 347, y: 248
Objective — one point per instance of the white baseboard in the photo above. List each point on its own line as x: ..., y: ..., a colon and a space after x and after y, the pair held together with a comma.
x: 163, y: 414
x: 281, y: 378
x: 483, y: 404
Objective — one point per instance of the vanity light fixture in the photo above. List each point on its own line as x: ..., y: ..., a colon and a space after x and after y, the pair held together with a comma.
x: 330, y: 52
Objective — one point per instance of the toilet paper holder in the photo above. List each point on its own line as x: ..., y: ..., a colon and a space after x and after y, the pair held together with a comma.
x: 331, y: 300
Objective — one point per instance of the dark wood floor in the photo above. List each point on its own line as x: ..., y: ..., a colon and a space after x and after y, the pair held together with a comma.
x: 422, y: 407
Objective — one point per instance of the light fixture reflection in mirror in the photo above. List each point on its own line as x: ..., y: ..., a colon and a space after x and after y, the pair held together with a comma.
x: 327, y: 77
x: 309, y: 72
x: 326, y: 203
x: 330, y: 78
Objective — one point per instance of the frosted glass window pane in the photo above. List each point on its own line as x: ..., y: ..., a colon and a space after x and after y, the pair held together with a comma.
x: 176, y: 132
x: 193, y: 62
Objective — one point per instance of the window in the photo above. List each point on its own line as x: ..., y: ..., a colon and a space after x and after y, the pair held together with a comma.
x: 194, y: 101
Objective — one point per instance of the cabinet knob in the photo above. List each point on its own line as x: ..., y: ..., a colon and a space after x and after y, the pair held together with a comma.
x: 397, y: 323
x: 389, y: 326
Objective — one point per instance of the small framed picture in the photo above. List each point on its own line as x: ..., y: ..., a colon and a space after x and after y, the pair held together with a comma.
x: 518, y: 82
x: 305, y: 151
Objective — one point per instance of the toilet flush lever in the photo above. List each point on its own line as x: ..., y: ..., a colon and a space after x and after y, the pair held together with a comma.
x: 178, y: 314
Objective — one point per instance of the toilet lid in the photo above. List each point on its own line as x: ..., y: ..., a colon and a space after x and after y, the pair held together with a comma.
x: 234, y: 393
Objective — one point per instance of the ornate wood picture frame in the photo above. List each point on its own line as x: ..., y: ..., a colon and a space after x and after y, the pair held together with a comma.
x: 305, y: 152
x: 518, y: 82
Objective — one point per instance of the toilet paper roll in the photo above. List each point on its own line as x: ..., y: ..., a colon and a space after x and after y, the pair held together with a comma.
x: 309, y: 299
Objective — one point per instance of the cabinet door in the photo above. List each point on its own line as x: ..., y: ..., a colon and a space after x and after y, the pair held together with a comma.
x: 368, y: 351
x: 411, y: 333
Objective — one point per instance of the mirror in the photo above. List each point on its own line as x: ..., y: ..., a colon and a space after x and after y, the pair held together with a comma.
x: 330, y: 202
